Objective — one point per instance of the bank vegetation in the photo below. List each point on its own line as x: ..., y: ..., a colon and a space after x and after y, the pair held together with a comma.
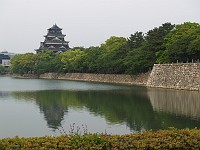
x: 162, y: 139
x: 167, y: 43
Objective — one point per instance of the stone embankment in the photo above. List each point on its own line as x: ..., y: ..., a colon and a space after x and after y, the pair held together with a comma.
x: 182, y: 76
x: 26, y: 76
x: 107, y: 78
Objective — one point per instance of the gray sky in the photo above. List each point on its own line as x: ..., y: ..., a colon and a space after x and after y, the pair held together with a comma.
x: 23, y: 23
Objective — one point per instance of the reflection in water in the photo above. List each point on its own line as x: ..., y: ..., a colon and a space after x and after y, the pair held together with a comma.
x: 49, y: 102
x: 186, y: 103
x: 116, y: 106
x: 132, y: 107
x: 53, y: 114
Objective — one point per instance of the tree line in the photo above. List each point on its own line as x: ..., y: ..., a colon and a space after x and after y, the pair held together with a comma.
x: 118, y: 55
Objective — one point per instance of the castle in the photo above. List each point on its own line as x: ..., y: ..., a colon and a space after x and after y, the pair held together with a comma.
x: 54, y: 40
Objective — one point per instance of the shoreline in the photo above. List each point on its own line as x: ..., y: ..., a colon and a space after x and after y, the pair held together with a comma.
x: 124, y: 79
x: 180, y: 76
x: 176, y: 76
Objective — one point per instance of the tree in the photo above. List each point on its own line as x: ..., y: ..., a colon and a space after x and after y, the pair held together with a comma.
x: 91, y: 60
x: 139, y: 60
x: 23, y: 63
x: 135, y: 40
x: 144, y: 50
x: 156, y: 37
x: 182, y: 43
x: 48, y: 61
x: 74, y: 61
x: 2, y: 69
x: 112, y: 54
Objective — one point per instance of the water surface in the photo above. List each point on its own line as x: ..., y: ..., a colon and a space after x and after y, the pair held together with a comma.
x: 38, y: 107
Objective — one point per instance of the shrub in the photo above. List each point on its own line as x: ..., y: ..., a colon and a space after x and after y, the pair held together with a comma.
x: 162, y: 139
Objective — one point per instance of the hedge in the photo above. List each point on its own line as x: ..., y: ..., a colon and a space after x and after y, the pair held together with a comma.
x: 162, y: 139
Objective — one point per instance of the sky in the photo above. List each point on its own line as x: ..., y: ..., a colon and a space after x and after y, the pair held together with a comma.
x: 23, y: 23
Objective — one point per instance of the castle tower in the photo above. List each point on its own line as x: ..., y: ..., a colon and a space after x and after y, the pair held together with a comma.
x: 54, y: 40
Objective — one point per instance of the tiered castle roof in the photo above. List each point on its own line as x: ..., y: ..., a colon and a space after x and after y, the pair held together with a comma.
x: 54, y: 40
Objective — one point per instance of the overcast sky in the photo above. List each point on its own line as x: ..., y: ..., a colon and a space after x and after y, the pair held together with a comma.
x: 23, y: 23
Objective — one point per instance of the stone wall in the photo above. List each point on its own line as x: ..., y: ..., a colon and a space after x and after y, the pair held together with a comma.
x: 107, y: 78
x: 184, y: 76
x: 175, y: 76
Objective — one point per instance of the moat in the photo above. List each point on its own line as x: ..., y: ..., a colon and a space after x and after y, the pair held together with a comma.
x: 38, y: 107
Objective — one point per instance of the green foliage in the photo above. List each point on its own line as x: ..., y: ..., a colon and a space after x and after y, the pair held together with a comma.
x: 162, y: 57
x: 23, y: 63
x: 112, y: 55
x: 156, y: 37
x: 48, y: 61
x: 183, y: 43
x: 136, y: 40
x: 74, y: 60
x: 162, y: 139
x: 43, y: 62
x: 114, y: 43
x: 139, y: 60
x: 92, y: 59
x: 144, y: 50
x: 2, y: 69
